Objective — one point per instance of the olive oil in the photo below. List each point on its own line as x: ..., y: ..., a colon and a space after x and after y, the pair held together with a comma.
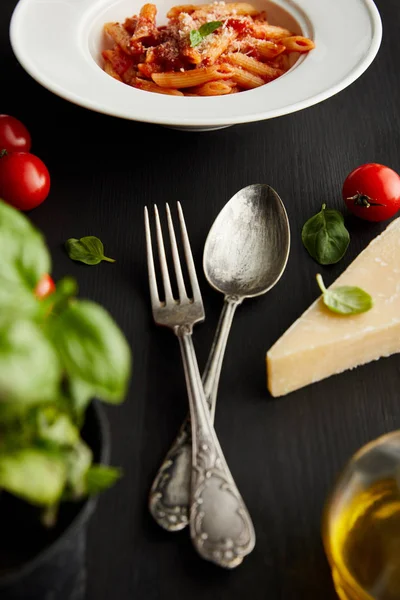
x: 363, y: 544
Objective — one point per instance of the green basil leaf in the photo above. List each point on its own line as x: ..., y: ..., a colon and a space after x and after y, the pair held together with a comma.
x: 93, y: 349
x: 59, y: 300
x: 325, y: 236
x: 197, y: 35
x: 208, y: 28
x: 345, y: 300
x: 34, y: 475
x: 195, y: 38
x: 100, y: 478
x: 17, y: 300
x: 12, y: 219
x: 9, y: 412
x: 18, y: 428
x: 80, y: 396
x: 56, y: 428
x: 30, y: 371
x: 89, y: 250
x: 79, y: 459
x: 23, y: 259
x: 24, y: 255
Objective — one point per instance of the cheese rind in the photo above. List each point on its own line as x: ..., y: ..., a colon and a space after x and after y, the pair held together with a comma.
x: 321, y: 343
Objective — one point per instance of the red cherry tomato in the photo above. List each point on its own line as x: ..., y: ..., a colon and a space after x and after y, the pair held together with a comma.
x: 372, y: 192
x: 24, y: 180
x: 45, y: 287
x: 14, y: 136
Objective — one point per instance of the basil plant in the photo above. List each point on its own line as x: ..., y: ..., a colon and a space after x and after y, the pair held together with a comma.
x: 56, y: 354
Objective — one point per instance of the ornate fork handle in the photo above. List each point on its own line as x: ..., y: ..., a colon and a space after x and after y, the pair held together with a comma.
x: 220, y: 525
x: 170, y: 493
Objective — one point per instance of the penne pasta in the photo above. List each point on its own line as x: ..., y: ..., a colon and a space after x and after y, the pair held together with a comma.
x: 121, y: 64
x: 212, y: 49
x: 264, y: 31
x: 253, y: 66
x: 149, y: 86
x: 232, y: 8
x: 297, y: 43
x: 191, y: 55
x: 148, y: 12
x: 218, y: 46
x: 246, y: 79
x: 120, y: 36
x: 269, y: 49
x: 146, y: 29
x: 281, y: 62
x: 241, y: 8
x: 147, y: 70
x: 175, y: 11
x: 185, y: 79
x: 110, y: 70
x: 130, y: 24
x: 214, y: 88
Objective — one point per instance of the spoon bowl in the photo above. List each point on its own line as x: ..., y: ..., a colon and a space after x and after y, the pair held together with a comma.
x: 247, y: 248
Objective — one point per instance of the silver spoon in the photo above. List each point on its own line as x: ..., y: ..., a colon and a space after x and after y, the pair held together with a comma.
x: 245, y: 255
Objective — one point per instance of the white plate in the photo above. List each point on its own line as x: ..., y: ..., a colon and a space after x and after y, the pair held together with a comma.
x: 58, y: 42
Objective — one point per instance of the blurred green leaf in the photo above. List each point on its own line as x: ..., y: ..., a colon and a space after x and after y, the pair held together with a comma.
x: 52, y: 306
x: 17, y: 300
x: 56, y: 354
x: 30, y: 370
x: 24, y: 255
x: 56, y: 427
x: 13, y: 220
x: 79, y: 459
x: 93, y: 350
x: 81, y: 394
x: 34, y: 475
x: 101, y: 477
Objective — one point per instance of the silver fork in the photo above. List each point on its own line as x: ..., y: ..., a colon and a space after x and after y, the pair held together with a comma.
x: 220, y: 525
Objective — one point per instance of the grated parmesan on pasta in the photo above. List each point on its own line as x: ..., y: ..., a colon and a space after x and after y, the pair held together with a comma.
x: 211, y: 49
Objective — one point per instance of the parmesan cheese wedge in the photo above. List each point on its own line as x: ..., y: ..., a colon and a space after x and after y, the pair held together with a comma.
x: 321, y: 343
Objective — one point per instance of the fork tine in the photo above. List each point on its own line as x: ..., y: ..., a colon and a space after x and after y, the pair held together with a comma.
x: 189, y: 257
x: 163, y: 260
x: 155, y: 301
x: 176, y: 259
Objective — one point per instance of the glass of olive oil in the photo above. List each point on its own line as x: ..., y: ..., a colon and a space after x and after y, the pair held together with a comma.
x: 361, y: 523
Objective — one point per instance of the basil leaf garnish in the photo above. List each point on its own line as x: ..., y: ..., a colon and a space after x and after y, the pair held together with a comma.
x: 346, y: 299
x: 325, y: 236
x: 88, y: 249
x: 197, y: 35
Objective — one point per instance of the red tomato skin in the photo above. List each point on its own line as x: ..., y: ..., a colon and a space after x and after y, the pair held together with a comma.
x: 45, y: 287
x: 14, y: 136
x: 380, y: 184
x: 24, y: 180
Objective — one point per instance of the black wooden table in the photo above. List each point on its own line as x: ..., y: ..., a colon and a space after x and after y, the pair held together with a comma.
x: 283, y: 453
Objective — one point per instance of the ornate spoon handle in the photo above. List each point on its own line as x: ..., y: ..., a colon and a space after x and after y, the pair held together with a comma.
x: 220, y: 525
x: 169, y: 499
